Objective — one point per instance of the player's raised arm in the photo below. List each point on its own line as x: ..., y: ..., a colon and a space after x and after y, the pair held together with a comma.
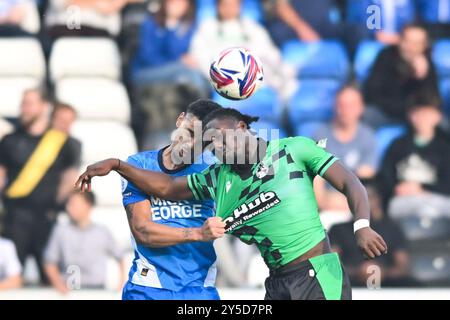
x: 370, y: 242
x: 155, y: 183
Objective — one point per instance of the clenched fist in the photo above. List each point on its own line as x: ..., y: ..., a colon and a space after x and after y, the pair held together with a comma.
x: 212, y: 229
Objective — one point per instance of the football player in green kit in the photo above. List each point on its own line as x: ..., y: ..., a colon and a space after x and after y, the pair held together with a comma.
x: 264, y: 195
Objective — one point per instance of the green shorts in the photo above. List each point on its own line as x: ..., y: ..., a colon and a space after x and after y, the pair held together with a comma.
x: 319, y: 278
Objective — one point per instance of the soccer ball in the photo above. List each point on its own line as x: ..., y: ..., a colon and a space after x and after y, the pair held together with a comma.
x: 236, y: 74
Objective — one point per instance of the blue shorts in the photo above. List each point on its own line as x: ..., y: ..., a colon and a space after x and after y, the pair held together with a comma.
x: 133, y: 291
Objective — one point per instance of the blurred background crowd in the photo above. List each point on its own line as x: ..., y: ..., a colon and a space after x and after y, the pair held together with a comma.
x: 82, y: 80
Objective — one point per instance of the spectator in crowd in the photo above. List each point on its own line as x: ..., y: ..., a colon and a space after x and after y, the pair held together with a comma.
x: 415, y: 174
x: 13, y: 14
x: 385, y: 17
x: 398, y: 72
x: 310, y: 21
x: 62, y: 119
x: 229, y: 29
x: 10, y: 268
x: 350, y: 140
x: 393, y: 266
x: 435, y: 14
x: 83, y: 244
x: 6, y: 127
x: 33, y: 161
x: 162, y: 56
x: 99, y: 18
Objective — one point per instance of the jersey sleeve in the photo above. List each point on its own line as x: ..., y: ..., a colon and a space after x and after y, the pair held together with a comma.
x: 130, y: 193
x: 203, y: 185
x: 311, y: 153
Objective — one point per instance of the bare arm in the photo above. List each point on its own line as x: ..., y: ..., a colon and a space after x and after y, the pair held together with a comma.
x: 155, y: 235
x: 370, y: 242
x: 66, y: 184
x: 2, y: 178
x: 304, y: 31
x: 155, y: 183
x: 13, y: 282
x: 55, y: 278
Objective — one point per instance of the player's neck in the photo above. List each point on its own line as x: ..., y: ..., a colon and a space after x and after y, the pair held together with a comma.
x: 167, y: 159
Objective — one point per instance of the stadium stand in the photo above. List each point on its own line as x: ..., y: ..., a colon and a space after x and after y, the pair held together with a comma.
x: 365, y: 56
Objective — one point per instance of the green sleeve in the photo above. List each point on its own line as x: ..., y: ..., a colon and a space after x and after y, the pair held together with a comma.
x: 314, y: 156
x: 203, y: 185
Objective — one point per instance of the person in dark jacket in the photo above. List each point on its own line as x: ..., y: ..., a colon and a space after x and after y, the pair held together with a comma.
x: 415, y: 172
x: 399, y: 72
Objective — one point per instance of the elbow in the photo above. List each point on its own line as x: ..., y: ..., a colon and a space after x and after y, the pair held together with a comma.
x: 145, y: 238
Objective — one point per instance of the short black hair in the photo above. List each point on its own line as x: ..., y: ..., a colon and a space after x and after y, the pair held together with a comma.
x: 230, y: 113
x: 202, y: 107
x: 423, y: 98
x: 89, y: 197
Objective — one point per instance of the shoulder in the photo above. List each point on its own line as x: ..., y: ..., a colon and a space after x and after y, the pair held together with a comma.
x: 207, y: 26
x: 297, y: 141
x: 6, y: 245
x: 144, y: 159
x: 366, y: 132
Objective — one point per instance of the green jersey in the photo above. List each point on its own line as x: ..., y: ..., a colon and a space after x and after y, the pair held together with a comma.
x: 274, y: 205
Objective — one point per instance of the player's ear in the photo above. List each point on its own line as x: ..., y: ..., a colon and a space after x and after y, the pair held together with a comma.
x: 242, y: 125
x: 180, y: 119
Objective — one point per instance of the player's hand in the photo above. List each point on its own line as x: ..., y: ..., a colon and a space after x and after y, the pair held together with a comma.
x: 371, y: 243
x: 212, y: 229
x: 97, y: 169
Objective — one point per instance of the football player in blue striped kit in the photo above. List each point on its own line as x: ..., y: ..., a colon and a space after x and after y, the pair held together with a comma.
x: 174, y: 253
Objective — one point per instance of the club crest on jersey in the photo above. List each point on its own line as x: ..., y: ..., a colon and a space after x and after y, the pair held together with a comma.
x: 263, y: 170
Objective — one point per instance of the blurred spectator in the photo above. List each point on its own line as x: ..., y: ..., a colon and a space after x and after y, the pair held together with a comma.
x: 62, y: 119
x: 10, y: 268
x: 83, y: 245
x: 310, y: 21
x: 34, y: 159
x: 13, y: 14
x: 415, y: 172
x: 229, y: 29
x: 394, y: 265
x: 84, y: 17
x: 5, y: 128
x: 435, y: 14
x: 392, y: 16
x: 350, y: 140
x: 164, y: 42
x: 398, y: 72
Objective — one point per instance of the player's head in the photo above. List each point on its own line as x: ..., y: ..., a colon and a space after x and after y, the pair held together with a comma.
x: 63, y: 117
x: 176, y: 10
x: 228, y: 9
x: 228, y: 131
x: 349, y: 105
x: 424, y: 113
x: 79, y: 206
x: 35, y: 106
x: 189, y: 129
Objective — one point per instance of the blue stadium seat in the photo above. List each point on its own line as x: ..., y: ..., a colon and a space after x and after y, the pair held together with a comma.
x: 405, y: 13
x: 441, y: 57
x: 444, y: 86
x: 313, y: 101
x: 264, y: 104
x: 365, y: 57
x: 260, y: 126
x: 251, y: 9
x: 308, y: 129
x: 429, y: 11
x: 385, y: 136
x: 324, y: 59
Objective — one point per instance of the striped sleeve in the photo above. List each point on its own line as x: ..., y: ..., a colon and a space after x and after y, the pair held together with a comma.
x: 203, y: 185
x: 315, y: 157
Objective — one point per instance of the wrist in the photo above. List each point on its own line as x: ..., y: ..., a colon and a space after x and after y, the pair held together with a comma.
x: 197, y: 234
x: 360, y: 224
x: 116, y: 164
